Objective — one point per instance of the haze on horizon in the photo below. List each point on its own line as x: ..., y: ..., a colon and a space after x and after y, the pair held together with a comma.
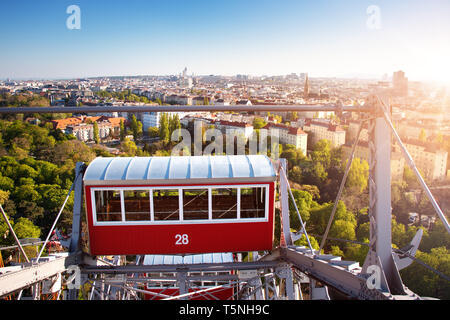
x: 257, y: 37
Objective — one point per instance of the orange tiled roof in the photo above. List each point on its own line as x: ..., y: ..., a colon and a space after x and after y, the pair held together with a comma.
x: 64, y: 123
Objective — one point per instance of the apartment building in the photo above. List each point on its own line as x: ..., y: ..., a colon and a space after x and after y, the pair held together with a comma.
x: 234, y: 128
x: 362, y: 152
x: 83, y: 129
x: 289, y: 135
x: 151, y: 119
x: 429, y: 158
x: 325, y: 130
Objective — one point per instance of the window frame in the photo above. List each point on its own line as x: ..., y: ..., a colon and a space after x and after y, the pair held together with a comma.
x: 181, y: 220
x: 94, y: 208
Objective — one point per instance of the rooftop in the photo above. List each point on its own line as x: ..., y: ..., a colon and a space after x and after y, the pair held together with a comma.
x: 161, y: 169
x: 188, y: 259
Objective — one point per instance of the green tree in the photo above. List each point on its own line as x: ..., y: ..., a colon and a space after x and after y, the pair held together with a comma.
x: 6, y: 183
x: 174, y: 124
x: 358, y: 175
x: 296, y: 174
x: 320, y: 215
x: 304, y: 242
x: 4, y: 195
x: 322, y: 153
x: 437, y: 237
x: 343, y: 229
x: 153, y: 132
x: 31, y: 211
x: 129, y: 147
x: 96, y: 133
x: 136, y: 128
x: 363, y: 231
x: 423, y: 281
x: 317, y: 174
x: 26, y: 193
x: 73, y: 151
x: 259, y: 123
x: 164, y: 133
x: 123, y: 132
x: 422, y: 136
x: 304, y: 201
x: 24, y: 228
x: 410, y: 178
x: 356, y: 252
x: 439, y: 138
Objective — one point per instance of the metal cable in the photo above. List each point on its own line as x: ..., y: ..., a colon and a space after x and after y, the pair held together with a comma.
x: 296, y: 209
x: 57, y: 218
x: 14, y: 234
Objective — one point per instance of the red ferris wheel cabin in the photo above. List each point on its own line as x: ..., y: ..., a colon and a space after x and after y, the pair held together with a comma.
x: 180, y: 205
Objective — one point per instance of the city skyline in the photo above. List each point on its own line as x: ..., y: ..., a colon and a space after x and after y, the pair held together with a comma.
x: 325, y: 39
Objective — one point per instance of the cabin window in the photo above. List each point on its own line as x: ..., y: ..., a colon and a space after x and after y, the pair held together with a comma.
x: 253, y: 202
x: 202, y: 203
x: 195, y: 204
x: 224, y: 203
x: 108, y: 206
x: 137, y: 205
x: 166, y: 205
x: 208, y: 283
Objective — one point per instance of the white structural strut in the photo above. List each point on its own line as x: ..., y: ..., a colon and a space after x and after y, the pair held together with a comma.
x: 380, y: 255
x: 14, y: 281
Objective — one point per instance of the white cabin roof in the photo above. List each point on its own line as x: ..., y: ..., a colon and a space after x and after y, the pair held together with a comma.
x: 155, y: 259
x: 140, y: 169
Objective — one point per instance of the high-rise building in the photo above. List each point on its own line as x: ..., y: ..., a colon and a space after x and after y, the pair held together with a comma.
x: 400, y: 84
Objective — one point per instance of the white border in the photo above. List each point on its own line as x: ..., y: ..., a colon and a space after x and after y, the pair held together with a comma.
x: 180, y: 195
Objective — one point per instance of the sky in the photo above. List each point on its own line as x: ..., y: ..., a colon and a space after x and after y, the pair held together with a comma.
x: 333, y: 38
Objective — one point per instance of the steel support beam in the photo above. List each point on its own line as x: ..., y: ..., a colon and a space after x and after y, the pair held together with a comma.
x: 351, y: 283
x: 138, y: 109
x: 284, y: 201
x: 76, y: 219
x: 77, y: 208
x: 380, y: 210
x: 207, y: 267
x: 31, y: 274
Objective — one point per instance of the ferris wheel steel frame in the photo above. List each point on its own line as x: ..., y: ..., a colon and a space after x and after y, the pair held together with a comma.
x: 277, y: 274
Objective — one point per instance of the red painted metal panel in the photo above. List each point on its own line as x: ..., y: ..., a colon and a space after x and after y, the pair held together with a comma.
x: 215, y: 294
x: 162, y: 239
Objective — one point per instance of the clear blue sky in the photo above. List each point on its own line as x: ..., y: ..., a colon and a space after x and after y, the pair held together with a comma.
x: 324, y: 38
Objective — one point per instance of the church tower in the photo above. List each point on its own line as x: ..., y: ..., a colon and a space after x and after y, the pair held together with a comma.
x: 306, y: 89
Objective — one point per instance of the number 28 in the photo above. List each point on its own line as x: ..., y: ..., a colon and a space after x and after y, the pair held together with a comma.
x: 181, y: 239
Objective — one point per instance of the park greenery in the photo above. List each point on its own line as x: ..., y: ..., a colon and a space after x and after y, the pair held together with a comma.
x: 37, y: 169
